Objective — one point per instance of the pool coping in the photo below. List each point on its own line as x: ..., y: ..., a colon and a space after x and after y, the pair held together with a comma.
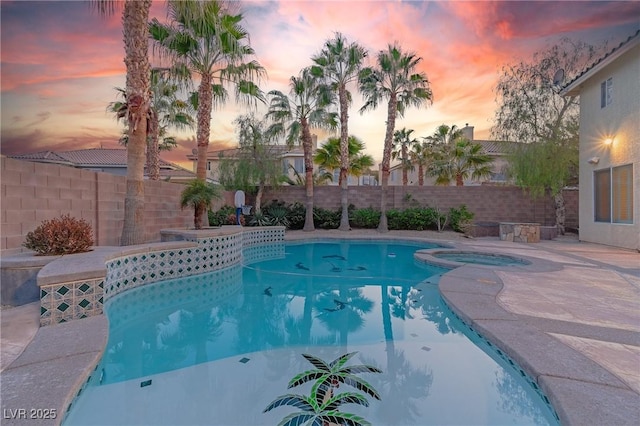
x: 581, y: 391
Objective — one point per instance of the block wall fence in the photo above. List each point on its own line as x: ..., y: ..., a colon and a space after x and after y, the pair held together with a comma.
x: 489, y: 203
x: 34, y: 192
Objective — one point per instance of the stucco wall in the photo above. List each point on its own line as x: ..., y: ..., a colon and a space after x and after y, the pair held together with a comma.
x: 34, y: 192
x: 621, y: 121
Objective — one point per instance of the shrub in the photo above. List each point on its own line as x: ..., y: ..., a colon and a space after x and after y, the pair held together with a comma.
x: 278, y: 215
x: 62, y: 235
x: 461, y: 219
x: 219, y: 217
x: 365, y: 218
x: 259, y: 219
x: 296, y: 215
x: 326, y: 219
x: 414, y: 218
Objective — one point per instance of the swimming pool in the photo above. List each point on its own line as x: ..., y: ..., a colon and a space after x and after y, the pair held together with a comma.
x: 218, y: 348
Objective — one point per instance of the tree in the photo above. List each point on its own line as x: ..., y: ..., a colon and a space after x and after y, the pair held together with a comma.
x: 339, y: 63
x: 458, y: 161
x: 328, y: 156
x: 165, y: 111
x: 530, y: 110
x: 294, y: 115
x: 199, y: 195
x: 395, y: 80
x: 401, y: 143
x: 258, y: 163
x: 445, y: 135
x: 207, y: 39
x: 421, y: 154
x: 134, y: 23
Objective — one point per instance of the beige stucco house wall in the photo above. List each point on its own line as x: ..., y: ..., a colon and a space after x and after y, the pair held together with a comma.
x: 610, y: 139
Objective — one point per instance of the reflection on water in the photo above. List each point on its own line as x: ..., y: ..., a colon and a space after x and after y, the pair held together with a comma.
x: 318, y: 296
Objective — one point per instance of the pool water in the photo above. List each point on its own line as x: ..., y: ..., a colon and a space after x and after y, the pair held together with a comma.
x: 218, y: 348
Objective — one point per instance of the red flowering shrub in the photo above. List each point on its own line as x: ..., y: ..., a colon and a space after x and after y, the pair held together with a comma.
x: 62, y: 235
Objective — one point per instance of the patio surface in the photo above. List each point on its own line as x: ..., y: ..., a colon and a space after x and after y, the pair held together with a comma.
x: 571, y: 320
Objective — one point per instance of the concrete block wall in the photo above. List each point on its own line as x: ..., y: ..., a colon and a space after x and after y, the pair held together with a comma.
x: 34, y: 192
x: 489, y: 203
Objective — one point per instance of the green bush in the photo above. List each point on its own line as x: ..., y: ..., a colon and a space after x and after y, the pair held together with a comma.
x: 413, y: 218
x: 461, y: 219
x: 278, y: 215
x: 296, y: 215
x: 220, y: 217
x: 260, y: 219
x: 326, y: 219
x: 365, y: 218
x: 62, y: 235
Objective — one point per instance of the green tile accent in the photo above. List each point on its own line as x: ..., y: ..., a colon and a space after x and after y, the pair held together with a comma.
x: 63, y: 307
x: 63, y: 290
x: 84, y: 287
x: 43, y: 310
x: 84, y: 303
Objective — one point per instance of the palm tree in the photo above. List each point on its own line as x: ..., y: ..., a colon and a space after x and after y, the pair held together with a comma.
x: 401, y: 143
x: 293, y: 117
x: 339, y: 63
x: 166, y: 111
x: 459, y: 161
x: 207, y: 39
x: 395, y: 80
x: 199, y: 195
x: 445, y: 135
x: 135, y: 17
x: 328, y: 156
x: 421, y: 154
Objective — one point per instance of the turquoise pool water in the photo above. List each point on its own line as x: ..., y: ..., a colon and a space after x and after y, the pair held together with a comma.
x: 218, y: 348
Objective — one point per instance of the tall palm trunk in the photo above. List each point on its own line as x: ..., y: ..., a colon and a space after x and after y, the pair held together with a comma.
x: 307, y: 146
x: 344, y: 158
x: 153, y: 160
x: 386, y: 160
x: 203, y: 132
x: 136, y: 35
x: 420, y: 174
x: 459, y: 180
x: 405, y: 179
x: 204, y: 124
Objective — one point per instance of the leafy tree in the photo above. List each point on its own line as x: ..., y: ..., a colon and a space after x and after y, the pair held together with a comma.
x: 328, y: 156
x: 198, y: 194
x: 165, y: 111
x: 458, y: 161
x: 207, y: 39
x: 134, y: 23
x: 258, y: 163
x: 395, y: 80
x: 294, y: 115
x: 402, y: 141
x: 339, y: 63
x: 530, y: 110
x: 421, y: 154
x: 445, y: 135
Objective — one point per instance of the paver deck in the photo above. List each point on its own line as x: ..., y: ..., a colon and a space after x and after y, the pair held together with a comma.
x: 573, y: 324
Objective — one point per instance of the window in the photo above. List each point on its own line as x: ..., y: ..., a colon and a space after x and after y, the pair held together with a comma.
x: 299, y: 165
x: 336, y: 175
x: 613, y: 194
x: 606, y: 92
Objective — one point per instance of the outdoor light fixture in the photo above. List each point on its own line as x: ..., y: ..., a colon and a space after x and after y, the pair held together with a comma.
x: 593, y: 160
x: 608, y: 141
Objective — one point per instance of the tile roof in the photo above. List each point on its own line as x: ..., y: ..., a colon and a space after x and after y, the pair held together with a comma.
x: 628, y: 43
x: 91, y: 157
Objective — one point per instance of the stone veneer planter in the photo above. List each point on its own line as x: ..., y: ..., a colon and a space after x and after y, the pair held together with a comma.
x: 77, y: 286
x: 520, y: 232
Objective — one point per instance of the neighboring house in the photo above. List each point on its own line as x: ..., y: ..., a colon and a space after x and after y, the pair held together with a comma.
x: 497, y: 150
x: 112, y: 161
x: 292, y: 159
x: 609, y: 206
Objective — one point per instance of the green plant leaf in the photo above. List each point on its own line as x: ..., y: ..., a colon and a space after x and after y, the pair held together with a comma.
x: 296, y: 419
x: 297, y: 401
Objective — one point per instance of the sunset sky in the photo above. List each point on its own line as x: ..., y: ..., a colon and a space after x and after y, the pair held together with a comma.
x: 60, y: 61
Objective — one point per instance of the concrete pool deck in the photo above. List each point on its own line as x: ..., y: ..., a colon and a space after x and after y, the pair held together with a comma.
x: 573, y: 324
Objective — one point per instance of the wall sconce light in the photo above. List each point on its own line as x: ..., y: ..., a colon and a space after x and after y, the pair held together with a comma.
x: 608, y: 141
x: 593, y: 160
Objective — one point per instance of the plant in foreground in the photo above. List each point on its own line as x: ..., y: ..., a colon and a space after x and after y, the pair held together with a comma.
x: 321, y: 406
x: 62, y: 235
